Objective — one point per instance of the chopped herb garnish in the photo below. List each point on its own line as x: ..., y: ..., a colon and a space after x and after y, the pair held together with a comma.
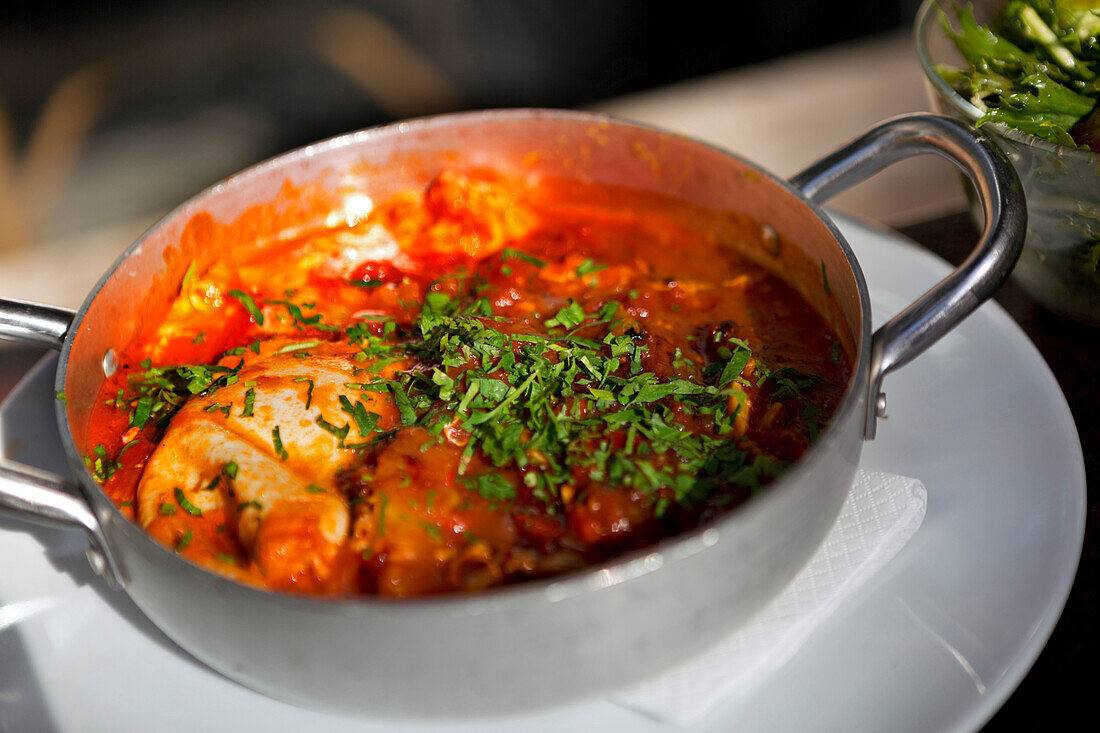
x: 309, y: 389
x: 588, y: 267
x: 432, y: 531
x: 156, y: 393
x: 186, y: 505
x: 570, y: 316
x: 365, y: 421
x: 143, y: 410
x: 102, y: 466
x: 517, y: 395
x: 492, y: 486
x: 383, y: 500
x: 298, y: 347
x: 249, y: 401
x: 277, y: 442
x: 790, y: 383
x: 508, y: 253
x: 339, y: 432
x: 299, y: 320
x: 249, y: 305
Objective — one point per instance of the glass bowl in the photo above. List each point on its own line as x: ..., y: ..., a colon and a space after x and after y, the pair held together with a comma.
x: 1059, y: 264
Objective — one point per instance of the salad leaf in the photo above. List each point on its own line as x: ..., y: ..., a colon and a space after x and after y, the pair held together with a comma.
x: 1034, y: 69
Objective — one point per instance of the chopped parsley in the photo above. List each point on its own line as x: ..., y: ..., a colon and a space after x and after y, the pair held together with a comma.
x: 309, y: 389
x: 339, y: 432
x: 249, y: 305
x: 509, y: 254
x: 249, y: 401
x: 492, y: 486
x: 365, y: 421
x: 186, y: 505
x: 521, y: 395
x: 571, y: 316
x: 156, y: 393
x: 298, y: 347
x: 277, y: 443
x: 432, y: 531
x: 383, y: 500
x: 544, y: 405
x: 102, y: 466
x: 301, y: 321
x: 588, y: 267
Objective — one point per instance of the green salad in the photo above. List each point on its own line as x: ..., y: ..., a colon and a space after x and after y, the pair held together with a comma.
x: 1035, y: 68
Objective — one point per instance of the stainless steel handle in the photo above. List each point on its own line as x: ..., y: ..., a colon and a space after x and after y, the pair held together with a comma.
x: 42, y: 325
x: 939, y: 310
x: 38, y: 496
x: 48, y: 499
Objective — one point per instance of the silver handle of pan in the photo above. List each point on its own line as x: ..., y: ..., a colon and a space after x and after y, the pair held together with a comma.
x: 48, y: 499
x: 41, y: 496
x: 30, y: 323
x: 1001, y: 196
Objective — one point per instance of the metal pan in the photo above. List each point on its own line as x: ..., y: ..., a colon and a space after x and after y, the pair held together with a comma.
x: 549, y: 641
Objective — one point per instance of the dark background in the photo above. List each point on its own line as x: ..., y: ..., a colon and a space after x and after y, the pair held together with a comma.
x: 496, y: 52
x: 205, y: 88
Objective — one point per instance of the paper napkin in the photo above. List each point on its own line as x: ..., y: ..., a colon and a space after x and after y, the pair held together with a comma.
x: 881, y: 513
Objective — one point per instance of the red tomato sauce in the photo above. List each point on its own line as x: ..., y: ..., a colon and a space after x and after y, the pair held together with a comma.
x: 476, y: 384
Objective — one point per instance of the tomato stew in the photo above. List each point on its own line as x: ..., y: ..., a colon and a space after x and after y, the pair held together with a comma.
x: 475, y: 384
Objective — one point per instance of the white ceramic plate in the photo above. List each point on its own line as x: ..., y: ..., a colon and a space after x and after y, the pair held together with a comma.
x: 936, y: 641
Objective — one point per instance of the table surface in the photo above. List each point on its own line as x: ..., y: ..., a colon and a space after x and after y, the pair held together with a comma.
x: 759, y: 112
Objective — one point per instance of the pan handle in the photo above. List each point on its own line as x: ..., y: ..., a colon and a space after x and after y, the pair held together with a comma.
x: 1001, y: 196
x: 47, y: 499
x: 30, y: 323
x: 40, y: 496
